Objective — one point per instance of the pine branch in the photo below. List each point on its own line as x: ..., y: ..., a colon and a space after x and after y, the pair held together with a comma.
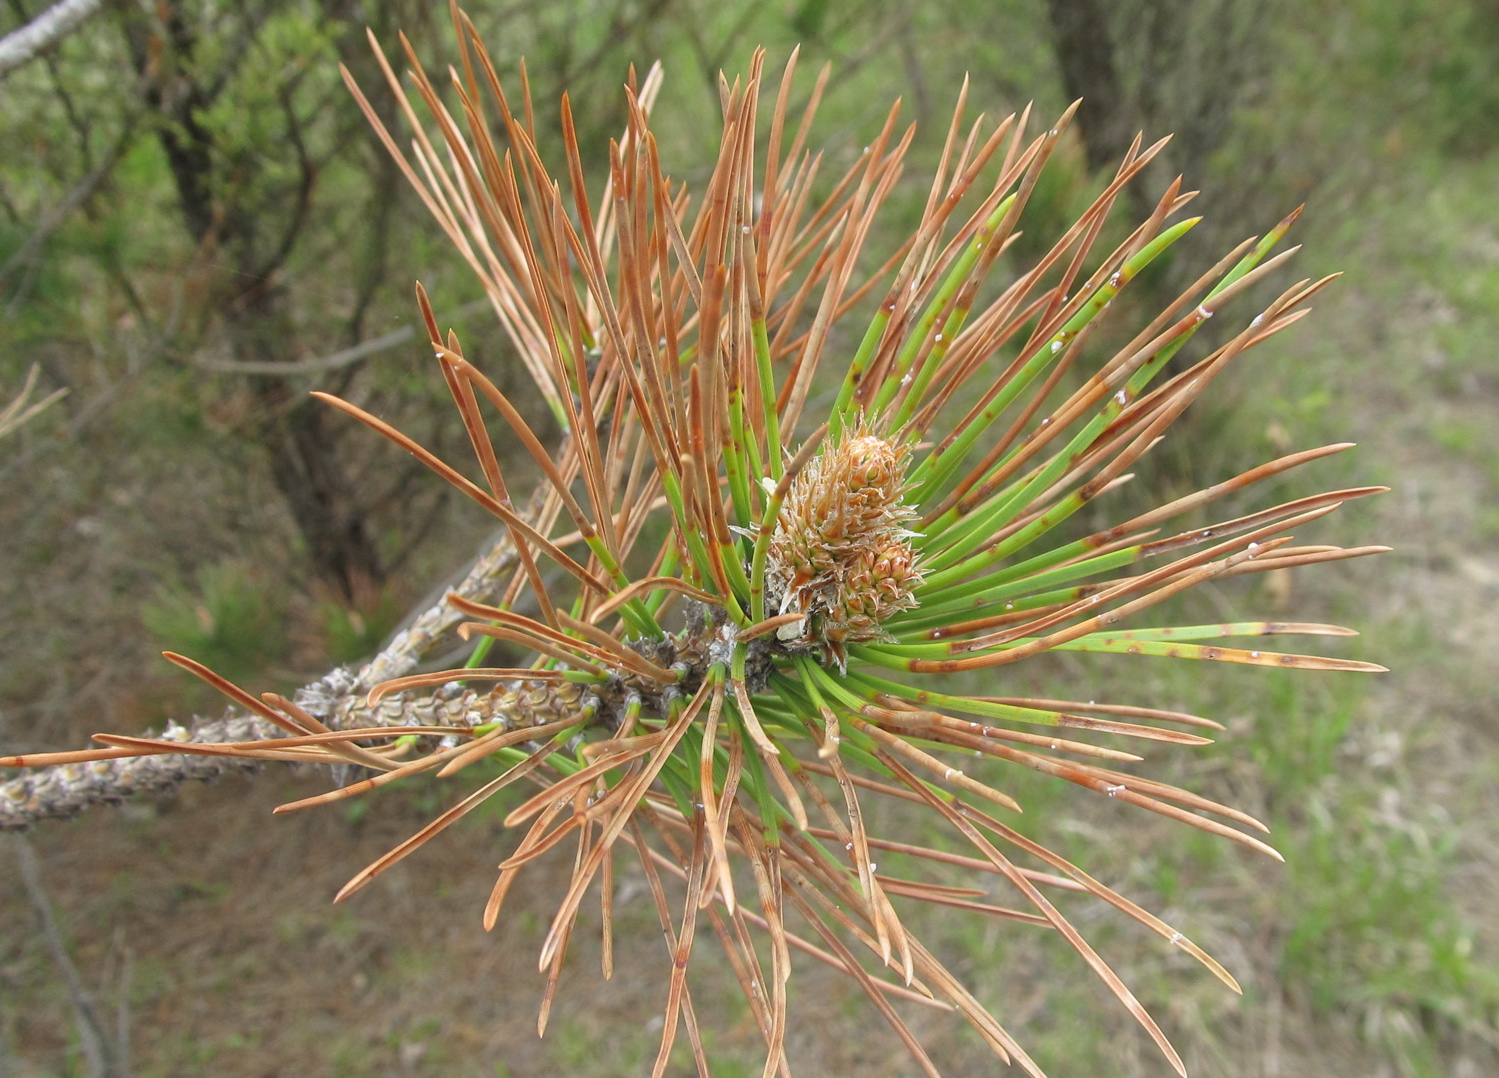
x: 822, y: 592
x: 338, y: 698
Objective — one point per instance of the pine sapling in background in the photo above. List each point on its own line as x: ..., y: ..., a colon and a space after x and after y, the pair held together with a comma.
x: 757, y: 554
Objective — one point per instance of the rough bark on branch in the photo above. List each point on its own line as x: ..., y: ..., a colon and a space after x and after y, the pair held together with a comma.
x: 337, y: 698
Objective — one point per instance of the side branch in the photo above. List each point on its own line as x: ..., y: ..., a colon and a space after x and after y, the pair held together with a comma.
x: 338, y: 699
x: 22, y: 46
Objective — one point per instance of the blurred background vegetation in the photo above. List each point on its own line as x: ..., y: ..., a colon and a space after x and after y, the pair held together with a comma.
x: 197, y: 227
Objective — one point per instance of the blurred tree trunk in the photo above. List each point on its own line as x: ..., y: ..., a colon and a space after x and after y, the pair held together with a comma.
x: 248, y: 245
x: 1085, y: 56
x: 1178, y: 67
x: 301, y: 436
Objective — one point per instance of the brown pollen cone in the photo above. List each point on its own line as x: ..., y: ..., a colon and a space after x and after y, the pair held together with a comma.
x: 841, y: 551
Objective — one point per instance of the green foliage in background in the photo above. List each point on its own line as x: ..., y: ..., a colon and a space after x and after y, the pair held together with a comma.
x: 232, y: 613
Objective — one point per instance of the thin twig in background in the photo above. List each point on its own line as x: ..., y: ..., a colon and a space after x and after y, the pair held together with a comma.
x: 76, y: 197
x: 334, y: 360
x: 122, y: 1006
x: 6, y: 1068
x: 20, y: 47
x: 98, y: 1047
x: 18, y: 411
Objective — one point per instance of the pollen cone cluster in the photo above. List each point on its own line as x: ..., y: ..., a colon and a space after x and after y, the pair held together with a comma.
x: 841, y: 553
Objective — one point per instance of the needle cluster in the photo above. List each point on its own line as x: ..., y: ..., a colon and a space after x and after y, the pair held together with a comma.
x: 727, y: 612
